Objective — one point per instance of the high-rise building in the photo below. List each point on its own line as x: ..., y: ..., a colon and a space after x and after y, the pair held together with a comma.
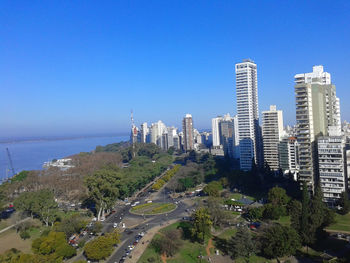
x: 272, y: 129
x: 288, y: 156
x: 248, y: 114
x: 144, y: 132
x: 236, y: 143
x: 187, y: 128
x: 215, y: 130
x: 157, y: 129
x: 227, y: 136
x: 332, y: 167
x: 317, y: 108
x: 172, y: 131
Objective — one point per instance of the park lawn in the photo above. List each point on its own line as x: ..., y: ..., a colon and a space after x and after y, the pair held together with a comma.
x: 3, y: 224
x: 284, y: 220
x: 238, y: 196
x: 188, y: 252
x: 170, y: 227
x: 227, y: 234
x: 254, y: 259
x: 150, y: 253
x: 342, y: 223
x: 11, y: 239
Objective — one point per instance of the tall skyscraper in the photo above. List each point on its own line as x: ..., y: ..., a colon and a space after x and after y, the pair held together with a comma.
x: 227, y: 135
x: 317, y: 108
x: 157, y: 129
x: 272, y: 129
x: 248, y: 114
x: 187, y: 128
x: 144, y: 132
x: 215, y: 129
x: 236, y: 145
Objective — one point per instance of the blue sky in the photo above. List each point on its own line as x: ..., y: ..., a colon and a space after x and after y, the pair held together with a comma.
x: 78, y: 67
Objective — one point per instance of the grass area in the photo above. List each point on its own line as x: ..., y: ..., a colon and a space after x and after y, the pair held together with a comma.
x: 238, y: 196
x: 188, y: 253
x: 10, y: 239
x: 284, y: 220
x: 228, y: 233
x: 3, y: 224
x: 254, y: 259
x: 153, y: 208
x: 138, y: 207
x: 342, y: 223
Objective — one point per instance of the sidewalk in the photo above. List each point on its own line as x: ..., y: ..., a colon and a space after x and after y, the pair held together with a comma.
x: 146, y: 240
x: 11, y: 226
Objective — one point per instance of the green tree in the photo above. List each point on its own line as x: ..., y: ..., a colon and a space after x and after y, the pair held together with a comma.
x: 305, y: 232
x: 279, y: 241
x: 213, y: 188
x: 103, y: 190
x: 26, y: 203
x: 273, y: 212
x: 278, y: 197
x: 71, y: 225
x: 99, y: 248
x: 242, y: 245
x: 168, y: 243
x: 41, y: 203
x: 256, y: 213
x: 54, y: 245
x: 295, y: 209
x: 217, y: 214
x: 344, y: 203
x: 201, y: 224
x: 46, y: 206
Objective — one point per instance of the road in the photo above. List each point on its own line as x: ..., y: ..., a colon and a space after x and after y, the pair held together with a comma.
x: 146, y: 223
x: 136, y: 223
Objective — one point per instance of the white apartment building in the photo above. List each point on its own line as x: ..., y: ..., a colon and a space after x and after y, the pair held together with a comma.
x: 215, y: 130
x: 272, y: 130
x: 248, y: 114
x: 144, y: 132
x: 157, y: 129
x: 188, y: 135
x: 332, y: 168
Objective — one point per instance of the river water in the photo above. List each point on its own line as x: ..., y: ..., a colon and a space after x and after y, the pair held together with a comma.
x: 31, y: 154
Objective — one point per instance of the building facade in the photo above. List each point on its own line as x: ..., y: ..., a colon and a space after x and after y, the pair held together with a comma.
x: 248, y: 114
x: 317, y: 108
x: 332, y: 167
x: 188, y: 136
x: 272, y: 130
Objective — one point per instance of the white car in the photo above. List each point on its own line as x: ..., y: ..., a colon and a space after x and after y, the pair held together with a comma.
x: 115, y: 225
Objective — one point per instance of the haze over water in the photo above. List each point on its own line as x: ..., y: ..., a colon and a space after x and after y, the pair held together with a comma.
x: 31, y: 154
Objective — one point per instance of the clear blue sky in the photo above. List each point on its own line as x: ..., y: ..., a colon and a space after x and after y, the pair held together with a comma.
x: 78, y: 67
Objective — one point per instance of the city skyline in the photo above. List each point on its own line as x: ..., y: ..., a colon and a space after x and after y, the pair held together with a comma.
x: 82, y: 70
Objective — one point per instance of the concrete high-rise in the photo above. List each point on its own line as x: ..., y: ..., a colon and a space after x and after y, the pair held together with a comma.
x: 317, y: 108
x: 227, y: 136
x: 215, y: 129
x: 288, y: 156
x: 144, y: 132
x: 272, y: 130
x: 248, y: 114
x: 332, y: 167
x: 188, y: 136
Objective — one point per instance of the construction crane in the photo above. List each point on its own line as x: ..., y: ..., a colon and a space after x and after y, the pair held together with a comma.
x: 10, y: 161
